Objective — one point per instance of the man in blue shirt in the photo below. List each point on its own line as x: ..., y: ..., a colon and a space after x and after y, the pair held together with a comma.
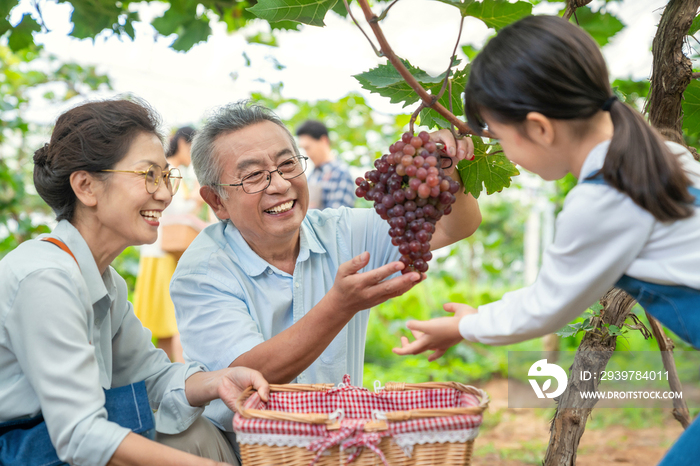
x: 271, y: 286
x: 330, y: 184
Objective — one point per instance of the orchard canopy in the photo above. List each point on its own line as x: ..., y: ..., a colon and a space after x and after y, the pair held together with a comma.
x: 436, y: 101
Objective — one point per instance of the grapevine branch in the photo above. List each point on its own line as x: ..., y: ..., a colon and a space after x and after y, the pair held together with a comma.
x: 680, y: 408
x: 347, y: 7
x: 571, y: 6
x: 426, y: 98
x: 449, y: 67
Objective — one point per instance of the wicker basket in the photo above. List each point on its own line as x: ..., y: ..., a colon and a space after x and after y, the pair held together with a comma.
x: 383, y: 433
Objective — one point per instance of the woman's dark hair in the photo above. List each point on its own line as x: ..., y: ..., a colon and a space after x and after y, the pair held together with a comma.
x: 92, y: 137
x: 548, y: 65
x: 186, y: 133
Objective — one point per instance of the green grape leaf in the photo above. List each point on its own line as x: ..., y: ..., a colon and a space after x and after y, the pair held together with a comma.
x: 495, y: 13
x: 309, y: 12
x: 490, y: 170
x: 691, y: 108
x: 568, y: 331
x: 339, y: 8
x: 4, y: 25
x: 429, y: 117
x: 21, y: 36
x: 601, y: 26
x: 192, y: 33
x: 470, y: 51
x: 285, y: 25
x: 694, y: 26
x: 263, y: 38
x: 90, y: 18
x: 387, y: 82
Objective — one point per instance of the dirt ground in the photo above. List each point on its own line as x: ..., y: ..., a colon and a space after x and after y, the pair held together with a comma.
x: 518, y: 437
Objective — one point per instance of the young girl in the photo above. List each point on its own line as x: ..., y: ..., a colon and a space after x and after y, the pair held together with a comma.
x: 541, y: 88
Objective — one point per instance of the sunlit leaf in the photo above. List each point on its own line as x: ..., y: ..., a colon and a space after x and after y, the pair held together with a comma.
x: 21, y: 36
x: 386, y: 81
x: 495, y: 13
x: 694, y: 26
x: 303, y: 11
x: 601, y: 26
x: 691, y: 108
x: 492, y: 171
x: 430, y: 117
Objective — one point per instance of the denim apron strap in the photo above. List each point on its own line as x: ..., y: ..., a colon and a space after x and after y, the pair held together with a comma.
x: 26, y: 442
x: 598, y: 179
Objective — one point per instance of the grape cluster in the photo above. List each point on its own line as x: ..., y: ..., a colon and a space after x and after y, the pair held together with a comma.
x: 411, y: 191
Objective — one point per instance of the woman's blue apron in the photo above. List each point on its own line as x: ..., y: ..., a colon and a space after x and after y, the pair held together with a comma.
x: 26, y: 442
x: 678, y: 309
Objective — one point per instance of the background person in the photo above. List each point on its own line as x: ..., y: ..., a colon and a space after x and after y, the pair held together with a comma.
x: 274, y: 285
x: 152, y: 303
x: 330, y: 183
x: 68, y: 334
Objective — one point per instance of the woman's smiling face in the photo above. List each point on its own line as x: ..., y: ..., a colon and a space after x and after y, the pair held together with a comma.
x: 125, y: 210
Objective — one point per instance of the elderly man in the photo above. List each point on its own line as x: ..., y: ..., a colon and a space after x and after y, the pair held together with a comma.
x: 271, y: 286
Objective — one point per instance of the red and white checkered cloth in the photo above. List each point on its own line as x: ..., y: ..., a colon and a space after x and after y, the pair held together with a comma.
x: 358, y: 405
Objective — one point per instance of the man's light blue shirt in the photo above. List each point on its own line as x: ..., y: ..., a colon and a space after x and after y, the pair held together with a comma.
x: 228, y: 299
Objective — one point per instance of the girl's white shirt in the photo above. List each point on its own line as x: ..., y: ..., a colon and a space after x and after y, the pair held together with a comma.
x: 601, y: 234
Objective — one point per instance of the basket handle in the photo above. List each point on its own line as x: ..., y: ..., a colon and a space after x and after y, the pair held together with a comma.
x: 311, y: 418
x: 395, y: 416
x: 477, y: 392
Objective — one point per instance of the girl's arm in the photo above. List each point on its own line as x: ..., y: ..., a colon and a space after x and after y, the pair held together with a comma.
x: 599, y: 234
x: 465, y: 217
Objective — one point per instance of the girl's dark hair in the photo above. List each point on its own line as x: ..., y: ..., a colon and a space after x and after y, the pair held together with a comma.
x: 92, y: 137
x: 548, y: 65
x: 186, y: 133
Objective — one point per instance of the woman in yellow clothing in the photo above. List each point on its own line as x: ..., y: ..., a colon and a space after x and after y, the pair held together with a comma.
x: 152, y: 303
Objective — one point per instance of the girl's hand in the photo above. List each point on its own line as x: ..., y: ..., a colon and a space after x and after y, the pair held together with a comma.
x: 435, y: 334
x: 464, y: 149
x: 237, y: 379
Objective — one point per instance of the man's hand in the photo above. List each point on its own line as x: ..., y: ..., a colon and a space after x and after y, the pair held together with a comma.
x: 464, y: 149
x: 235, y: 380
x: 355, y: 291
x: 435, y: 334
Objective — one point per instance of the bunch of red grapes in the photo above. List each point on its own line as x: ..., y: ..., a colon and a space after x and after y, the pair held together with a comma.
x: 411, y: 191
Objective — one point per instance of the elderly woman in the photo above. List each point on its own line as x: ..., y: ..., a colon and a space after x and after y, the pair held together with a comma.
x: 68, y: 334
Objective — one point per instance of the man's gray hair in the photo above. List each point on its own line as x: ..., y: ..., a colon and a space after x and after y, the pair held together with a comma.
x: 224, y: 120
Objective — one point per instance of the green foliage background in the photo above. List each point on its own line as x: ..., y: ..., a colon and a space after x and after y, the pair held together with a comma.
x: 477, y: 270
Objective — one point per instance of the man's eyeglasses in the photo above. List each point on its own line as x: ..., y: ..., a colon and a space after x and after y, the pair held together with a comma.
x: 260, y: 180
x: 154, y: 175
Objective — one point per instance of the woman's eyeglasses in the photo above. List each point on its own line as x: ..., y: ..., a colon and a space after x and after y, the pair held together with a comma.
x: 153, y: 177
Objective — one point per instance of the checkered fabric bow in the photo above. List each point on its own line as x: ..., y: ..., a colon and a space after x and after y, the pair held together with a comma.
x: 350, y: 435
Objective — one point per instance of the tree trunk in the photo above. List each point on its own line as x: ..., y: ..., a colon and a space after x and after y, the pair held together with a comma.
x: 671, y: 69
x: 593, y: 355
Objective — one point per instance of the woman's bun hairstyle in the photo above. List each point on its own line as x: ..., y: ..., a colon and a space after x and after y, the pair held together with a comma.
x: 91, y: 137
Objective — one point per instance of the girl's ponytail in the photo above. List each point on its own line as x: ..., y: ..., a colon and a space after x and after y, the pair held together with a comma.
x: 547, y: 65
x: 640, y: 164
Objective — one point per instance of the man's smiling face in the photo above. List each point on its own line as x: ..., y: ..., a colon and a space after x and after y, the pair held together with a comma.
x: 274, y: 214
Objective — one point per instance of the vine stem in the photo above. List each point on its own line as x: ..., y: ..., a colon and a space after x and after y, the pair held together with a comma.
x: 387, y: 51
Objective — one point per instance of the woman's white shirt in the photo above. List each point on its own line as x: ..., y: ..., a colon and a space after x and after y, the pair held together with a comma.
x: 601, y: 234
x: 67, y: 332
